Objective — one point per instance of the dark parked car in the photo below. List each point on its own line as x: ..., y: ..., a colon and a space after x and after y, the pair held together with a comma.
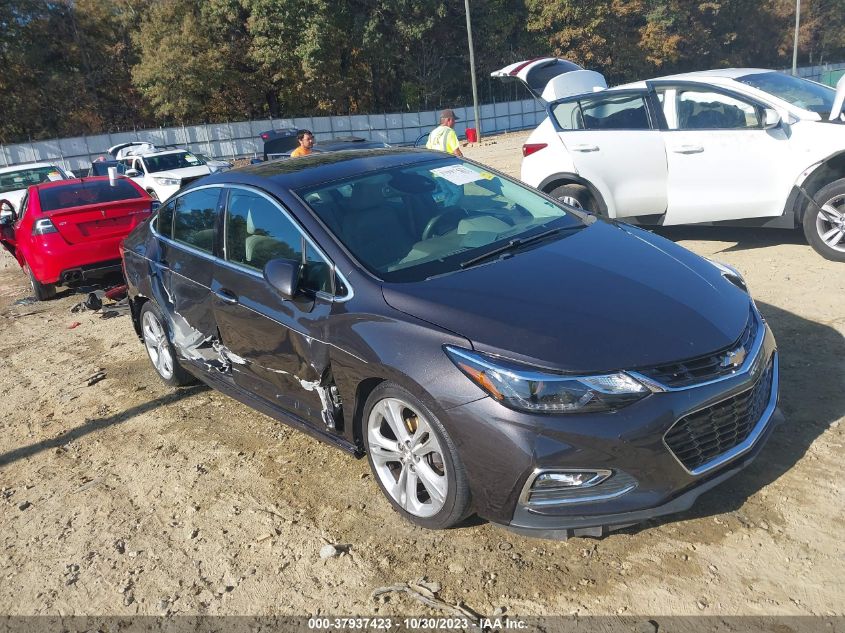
x: 280, y: 143
x: 489, y: 349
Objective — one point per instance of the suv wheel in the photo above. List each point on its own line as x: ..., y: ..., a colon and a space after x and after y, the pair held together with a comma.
x: 577, y: 196
x: 42, y: 292
x: 159, y: 348
x: 153, y: 194
x: 413, y: 459
x: 825, y: 228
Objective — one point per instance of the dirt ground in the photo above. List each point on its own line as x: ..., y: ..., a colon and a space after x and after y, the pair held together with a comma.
x: 123, y: 496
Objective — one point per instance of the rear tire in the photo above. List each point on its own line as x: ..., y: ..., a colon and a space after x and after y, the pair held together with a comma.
x: 825, y: 231
x: 414, y: 460
x: 159, y: 348
x: 42, y: 292
x: 577, y: 196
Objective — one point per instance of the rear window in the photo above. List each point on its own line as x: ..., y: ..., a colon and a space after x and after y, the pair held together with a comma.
x: 84, y: 193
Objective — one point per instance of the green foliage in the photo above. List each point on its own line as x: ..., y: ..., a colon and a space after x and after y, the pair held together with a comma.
x: 70, y: 67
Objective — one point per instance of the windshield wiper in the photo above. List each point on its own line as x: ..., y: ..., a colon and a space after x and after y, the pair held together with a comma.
x: 514, y: 244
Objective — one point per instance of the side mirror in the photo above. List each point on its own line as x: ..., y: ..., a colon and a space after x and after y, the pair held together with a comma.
x: 771, y: 118
x: 133, y: 173
x: 283, y: 276
x: 155, y: 205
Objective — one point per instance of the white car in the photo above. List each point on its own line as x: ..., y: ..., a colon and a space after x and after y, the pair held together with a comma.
x: 15, y: 180
x: 740, y: 146
x: 160, y: 172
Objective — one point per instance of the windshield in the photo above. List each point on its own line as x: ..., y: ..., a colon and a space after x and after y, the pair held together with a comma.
x: 166, y: 162
x: 801, y: 93
x: 412, y: 222
x: 14, y: 180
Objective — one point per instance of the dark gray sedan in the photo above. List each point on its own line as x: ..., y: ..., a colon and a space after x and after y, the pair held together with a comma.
x: 487, y: 348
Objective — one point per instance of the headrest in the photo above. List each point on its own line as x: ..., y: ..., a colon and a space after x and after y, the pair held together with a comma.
x: 365, y: 195
x: 250, y: 225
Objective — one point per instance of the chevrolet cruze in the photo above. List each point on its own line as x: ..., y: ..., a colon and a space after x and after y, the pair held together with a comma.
x: 489, y: 349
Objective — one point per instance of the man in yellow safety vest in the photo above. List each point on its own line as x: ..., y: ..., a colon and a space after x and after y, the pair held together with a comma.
x: 443, y: 137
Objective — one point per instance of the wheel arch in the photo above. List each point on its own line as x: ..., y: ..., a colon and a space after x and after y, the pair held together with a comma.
x: 558, y: 180
x: 829, y: 170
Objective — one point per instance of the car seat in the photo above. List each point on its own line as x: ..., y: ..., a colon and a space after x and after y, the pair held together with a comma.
x: 374, y: 230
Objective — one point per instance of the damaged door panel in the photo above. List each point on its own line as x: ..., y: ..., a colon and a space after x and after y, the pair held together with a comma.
x: 187, y: 263
x: 275, y: 336
x: 280, y: 363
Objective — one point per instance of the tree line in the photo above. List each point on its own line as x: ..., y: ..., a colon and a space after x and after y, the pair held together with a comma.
x: 73, y: 67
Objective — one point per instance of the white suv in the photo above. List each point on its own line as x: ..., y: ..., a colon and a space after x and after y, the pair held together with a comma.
x: 15, y: 180
x: 740, y: 146
x: 161, y: 172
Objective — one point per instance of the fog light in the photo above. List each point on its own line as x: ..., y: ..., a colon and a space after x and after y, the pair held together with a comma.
x: 570, y: 479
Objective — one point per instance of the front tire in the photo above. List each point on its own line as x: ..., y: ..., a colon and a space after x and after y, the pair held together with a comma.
x: 414, y: 460
x: 159, y: 348
x: 577, y: 196
x: 42, y: 292
x: 825, y: 228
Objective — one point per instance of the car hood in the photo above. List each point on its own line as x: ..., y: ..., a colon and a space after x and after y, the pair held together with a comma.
x: 185, y: 172
x: 604, y: 298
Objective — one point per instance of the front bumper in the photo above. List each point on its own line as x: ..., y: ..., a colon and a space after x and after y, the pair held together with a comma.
x: 509, y: 448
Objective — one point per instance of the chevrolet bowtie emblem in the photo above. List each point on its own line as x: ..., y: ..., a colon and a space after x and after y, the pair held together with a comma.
x: 734, y: 358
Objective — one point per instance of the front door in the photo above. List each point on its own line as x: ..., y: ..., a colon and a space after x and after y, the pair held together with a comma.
x: 723, y: 164
x: 277, y: 346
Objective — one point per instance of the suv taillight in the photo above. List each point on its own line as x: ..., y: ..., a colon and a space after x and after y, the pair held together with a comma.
x: 43, y: 227
x: 530, y: 148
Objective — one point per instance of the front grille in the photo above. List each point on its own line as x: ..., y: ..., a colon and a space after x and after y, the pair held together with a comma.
x: 702, y: 436
x: 703, y: 368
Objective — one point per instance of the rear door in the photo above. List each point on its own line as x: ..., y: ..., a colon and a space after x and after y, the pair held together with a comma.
x: 613, y: 141
x: 278, y: 346
x: 93, y: 210
x: 187, y: 227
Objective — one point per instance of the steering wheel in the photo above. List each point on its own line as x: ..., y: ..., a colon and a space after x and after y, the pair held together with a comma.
x: 454, y: 213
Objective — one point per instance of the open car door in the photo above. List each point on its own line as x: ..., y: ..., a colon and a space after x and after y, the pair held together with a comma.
x: 550, y: 79
x: 7, y: 230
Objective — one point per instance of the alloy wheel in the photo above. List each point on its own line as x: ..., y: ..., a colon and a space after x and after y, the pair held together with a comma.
x: 407, y: 457
x: 830, y: 223
x: 155, y: 340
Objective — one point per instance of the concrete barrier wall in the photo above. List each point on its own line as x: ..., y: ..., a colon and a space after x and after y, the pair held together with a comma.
x: 241, y: 138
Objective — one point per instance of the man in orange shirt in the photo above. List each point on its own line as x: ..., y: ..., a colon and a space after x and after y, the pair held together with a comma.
x: 306, y: 142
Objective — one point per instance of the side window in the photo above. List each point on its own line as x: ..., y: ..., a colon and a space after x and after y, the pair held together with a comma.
x: 257, y: 231
x: 702, y: 110
x: 164, y: 219
x: 139, y: 165
x: 195, y: 213
x: 622, y: 112
x: 568, y: 115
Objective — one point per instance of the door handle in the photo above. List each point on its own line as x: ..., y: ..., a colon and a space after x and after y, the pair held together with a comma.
x: 226, y: 296
x: 688, y: 149
x: 584, y: 148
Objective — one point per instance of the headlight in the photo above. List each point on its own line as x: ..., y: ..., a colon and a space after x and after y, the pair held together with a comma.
x: 731, y: 274
x: 523, y: 388
x: 167, y: 181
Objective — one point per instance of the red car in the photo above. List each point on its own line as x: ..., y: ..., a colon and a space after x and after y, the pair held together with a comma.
x: 69, y: 231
